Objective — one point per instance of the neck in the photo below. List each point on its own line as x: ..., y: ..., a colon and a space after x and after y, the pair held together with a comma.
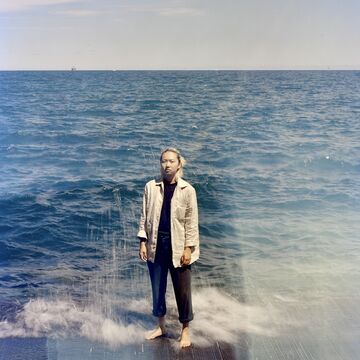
x: 171, y: 180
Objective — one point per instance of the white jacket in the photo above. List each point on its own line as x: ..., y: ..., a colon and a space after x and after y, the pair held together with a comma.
x: 184, y: 219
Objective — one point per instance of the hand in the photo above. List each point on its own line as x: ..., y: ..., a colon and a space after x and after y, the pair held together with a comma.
x: 186, y: 257
x: 143, y: 251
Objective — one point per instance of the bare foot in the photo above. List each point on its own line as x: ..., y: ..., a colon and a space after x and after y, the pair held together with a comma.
x: 153, y: 334
x: 185, y: 337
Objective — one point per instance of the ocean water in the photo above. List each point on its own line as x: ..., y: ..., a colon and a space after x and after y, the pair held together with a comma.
x: 275, y: 159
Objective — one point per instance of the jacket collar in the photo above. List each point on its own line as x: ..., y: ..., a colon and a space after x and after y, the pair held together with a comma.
x: 181, y: 183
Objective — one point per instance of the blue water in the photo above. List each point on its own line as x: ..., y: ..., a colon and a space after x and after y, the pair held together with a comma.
x: 274, y: 157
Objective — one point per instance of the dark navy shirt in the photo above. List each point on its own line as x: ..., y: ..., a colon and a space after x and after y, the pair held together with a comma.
x: 164, y: 224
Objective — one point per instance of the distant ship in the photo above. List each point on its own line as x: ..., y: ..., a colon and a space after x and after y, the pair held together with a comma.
x: 73, y: 68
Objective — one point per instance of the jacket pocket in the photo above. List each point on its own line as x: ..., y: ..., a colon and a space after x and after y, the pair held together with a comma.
x: 180, y: 213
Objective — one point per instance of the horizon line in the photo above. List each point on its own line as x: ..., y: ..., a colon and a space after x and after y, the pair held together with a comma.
x: 74, y: 69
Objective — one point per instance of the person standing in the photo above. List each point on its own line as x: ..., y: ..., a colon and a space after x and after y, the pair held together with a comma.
x: 169, y: 240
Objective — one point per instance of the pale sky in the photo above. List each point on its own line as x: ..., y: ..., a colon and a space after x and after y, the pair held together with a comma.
x: 179, y: 34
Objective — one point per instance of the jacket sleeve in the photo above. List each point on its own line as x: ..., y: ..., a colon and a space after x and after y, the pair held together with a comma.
x: 191, y: 220
x: 142, y: 232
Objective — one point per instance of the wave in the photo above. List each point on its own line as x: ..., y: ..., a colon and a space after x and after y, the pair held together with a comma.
x: 218, y: 317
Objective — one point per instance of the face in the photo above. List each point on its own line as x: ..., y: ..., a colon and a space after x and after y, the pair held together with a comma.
x: 169, y: 165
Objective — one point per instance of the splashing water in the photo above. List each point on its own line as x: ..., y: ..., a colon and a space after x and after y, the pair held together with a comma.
x: 219, y: 317
x: 66, y: 319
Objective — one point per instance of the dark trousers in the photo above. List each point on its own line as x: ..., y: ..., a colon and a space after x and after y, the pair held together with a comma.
x: 181, y: 279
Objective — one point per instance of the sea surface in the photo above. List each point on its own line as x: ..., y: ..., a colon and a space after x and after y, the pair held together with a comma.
x: 275, y: 159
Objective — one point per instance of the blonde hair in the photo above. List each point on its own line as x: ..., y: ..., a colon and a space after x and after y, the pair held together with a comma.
x: 180, y: 158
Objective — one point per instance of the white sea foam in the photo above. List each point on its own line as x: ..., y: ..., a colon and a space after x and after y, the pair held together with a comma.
x: 65, y: 319
x: 221, y: 317
x: 218, y: 317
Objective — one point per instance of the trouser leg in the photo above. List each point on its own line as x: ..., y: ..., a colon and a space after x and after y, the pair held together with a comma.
x: 181, y: 279
x: 158, y: 271
x: 158, y: 276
